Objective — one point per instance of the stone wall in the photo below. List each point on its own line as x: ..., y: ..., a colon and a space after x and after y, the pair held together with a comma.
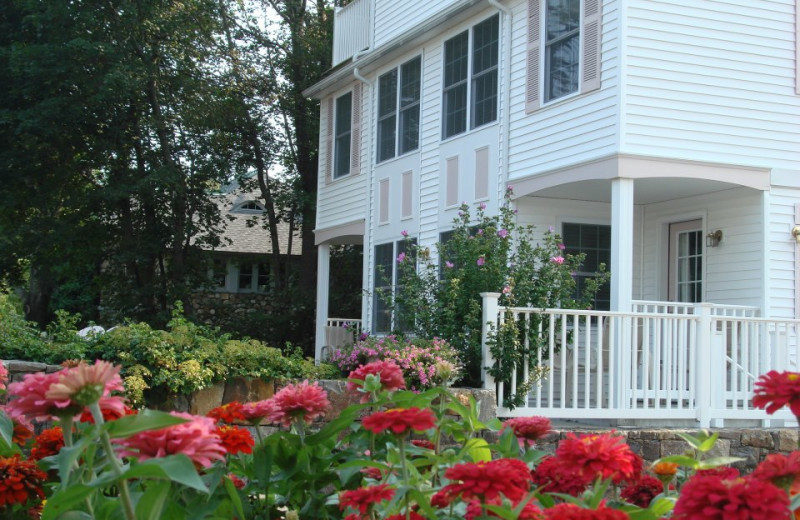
x: 752, y: 445
x: 220, y: 308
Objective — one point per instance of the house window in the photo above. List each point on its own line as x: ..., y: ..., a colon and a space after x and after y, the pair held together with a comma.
x: 219, y: 273
x: 399, y: 135
x: 263, y: 278
x: 343, y: 129
x: 385, y: 283
x: 254, y: 277
x: 561, y: 48
x: 251, y: 206
x: 594, y: 241
x: 474, y: 80
x: 246, y: 277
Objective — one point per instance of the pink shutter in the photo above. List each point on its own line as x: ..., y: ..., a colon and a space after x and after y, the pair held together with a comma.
x: 796, y: 266
x: 327, y: 109
x: 533, y: 53
x: 355, y: 135
x: 451, y: 190
x: 383, y: 202
x: 406, y: 208
x: 482, y: 174
x: 797, y: 46
x: 591, y: 31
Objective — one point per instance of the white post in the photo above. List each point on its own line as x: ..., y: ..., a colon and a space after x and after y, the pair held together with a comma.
x: 323, y: 287
x: 491, y: 310
x: 705, y: 371
x: 621, y: 280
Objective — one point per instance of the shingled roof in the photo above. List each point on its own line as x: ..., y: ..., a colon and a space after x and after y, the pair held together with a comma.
x: 253, y: 239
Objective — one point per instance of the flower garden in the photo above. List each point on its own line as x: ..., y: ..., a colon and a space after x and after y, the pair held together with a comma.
x: 397, y: 454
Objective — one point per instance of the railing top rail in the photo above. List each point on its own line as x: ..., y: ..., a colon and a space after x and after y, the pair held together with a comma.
x: 611, y: 314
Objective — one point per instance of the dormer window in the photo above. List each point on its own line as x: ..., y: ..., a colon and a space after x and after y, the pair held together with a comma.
x: 250, y: 206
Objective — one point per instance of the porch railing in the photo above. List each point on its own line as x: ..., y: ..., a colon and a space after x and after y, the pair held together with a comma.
x: 660, y: 361
x: 352, y: 29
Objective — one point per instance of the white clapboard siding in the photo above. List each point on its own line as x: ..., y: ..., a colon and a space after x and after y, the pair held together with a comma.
x: 712, y: 81
x: 393, y: 18
x: 577, y: 128
x: 783, y: 269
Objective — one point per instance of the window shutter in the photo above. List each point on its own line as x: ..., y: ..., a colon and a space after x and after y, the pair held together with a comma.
x: 328, y: 166
x: 355, y: 129
x: 590, y: 61
x: 797, y: 46
x: 533, y: 54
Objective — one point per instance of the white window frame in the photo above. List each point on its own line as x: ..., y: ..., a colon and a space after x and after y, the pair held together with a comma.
x: 398, y: 111
x: 391, y: 283
x: 469, y: 80
x: 336, y: 174
x: 576, y: 33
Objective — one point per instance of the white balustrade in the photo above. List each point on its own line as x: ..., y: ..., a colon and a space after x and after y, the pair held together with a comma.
x: 352, y: 30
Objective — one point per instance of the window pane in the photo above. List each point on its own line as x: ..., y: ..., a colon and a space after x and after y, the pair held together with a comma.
x: 594, y: 241
x: 384, y: 257
x: 485, y: 45
x: 344, y: 107
x: 562, y: 68
x: 387, y: 93
x: 455, y: 110
x: 563, y: 16
x: 263, y: 277
x: 386, y: 137
x: 409, y: 129
x: 246, y: 276
x: 220, y: 271
x: 455, y: 59
x: 484, y: 96
x: 410, y: 87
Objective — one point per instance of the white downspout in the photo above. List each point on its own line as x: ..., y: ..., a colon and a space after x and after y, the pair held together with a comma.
x: 502, y: 173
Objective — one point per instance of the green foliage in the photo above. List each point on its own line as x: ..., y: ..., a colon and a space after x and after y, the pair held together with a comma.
x: 487, y: 254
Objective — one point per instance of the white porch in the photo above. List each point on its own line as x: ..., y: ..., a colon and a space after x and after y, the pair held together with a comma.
x: 659, y: 361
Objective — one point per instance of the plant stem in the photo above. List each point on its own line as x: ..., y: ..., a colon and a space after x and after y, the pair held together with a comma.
x: 116, y: 466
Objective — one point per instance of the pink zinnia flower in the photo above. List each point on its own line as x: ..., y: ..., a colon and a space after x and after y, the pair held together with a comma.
x: 85, y: 384
x: 391, y: 377
x: 481, y: 260
x: 3, y: 376
x: 557, y: 259
x: 302, y: 401
x: 528, y: 429
x: 28, y: 398
x: 258, y: 411
x: 197, y: 439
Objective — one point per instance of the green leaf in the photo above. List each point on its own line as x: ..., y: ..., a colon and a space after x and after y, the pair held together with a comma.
x: 76, y: 515
x: 6, y: 428
x: 333, y: 428
x: 233, y: 493
x: 598, y: 493
x: 795, y: 503
x: 152, y: 502
x: 423, y: 502
x: 177, y: 468
x: 718, y: 461
x: 642, y: 514
x: 143, y: 421
x: 501, y: 512
x: 662, y: 505
x: 65, y: 500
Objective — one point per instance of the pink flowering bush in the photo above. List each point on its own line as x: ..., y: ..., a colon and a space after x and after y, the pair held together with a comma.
x: 425, y: 363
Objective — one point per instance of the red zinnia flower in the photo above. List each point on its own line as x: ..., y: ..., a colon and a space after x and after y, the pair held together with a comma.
x: 302, y: 401
x: 363, y: 498
x: 235, y: 440
x: 643, y: 492
x: 422, y: 443
x: 487, y: 481
x: 47, y: 443
x: 528, y: 430
x: 21, y: 434
x: 238, y: 483
x: 723, y: 472
x: 781, y: 470
x: 20, y: 481
x: 530, y: 512
x: 195, y: 439
x: 227, y: 413
x: 709, y: 497
x: 604, y: 456
x: 575, y: 512
x: 391, y: 377
x: 112, y: 409
x: 372, y: 472
x: 401, y: 516
x: 400, y: 420
x: 555, y: 477
x: 775, y: 390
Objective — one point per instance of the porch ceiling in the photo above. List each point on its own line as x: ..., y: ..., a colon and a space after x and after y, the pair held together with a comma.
x: 646, y: 191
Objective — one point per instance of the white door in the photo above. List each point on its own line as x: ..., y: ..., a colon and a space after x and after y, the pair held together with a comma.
x: 686, y: 261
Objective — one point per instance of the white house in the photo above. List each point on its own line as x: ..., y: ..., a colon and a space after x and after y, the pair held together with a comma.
x: 660, y: 136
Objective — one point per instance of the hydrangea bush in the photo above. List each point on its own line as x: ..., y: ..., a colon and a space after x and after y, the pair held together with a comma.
x: 408, y: 458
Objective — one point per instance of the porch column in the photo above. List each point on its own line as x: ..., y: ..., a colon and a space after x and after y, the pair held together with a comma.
x: 323, y: 287
x: 621, y: 244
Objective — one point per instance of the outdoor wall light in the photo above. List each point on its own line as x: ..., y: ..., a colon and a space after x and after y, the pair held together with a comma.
x: 796, y: 233
x: 713, y: 238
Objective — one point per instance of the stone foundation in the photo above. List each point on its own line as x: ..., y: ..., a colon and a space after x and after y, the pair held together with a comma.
x: 750, y: 444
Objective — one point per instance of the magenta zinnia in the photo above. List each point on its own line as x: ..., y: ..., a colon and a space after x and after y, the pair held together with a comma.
x: 400, y: 420
x: 390, y: 374
x: 528, y: 430
x: 3, y: 376
x: 303, y: 402
x: 709, y: 497
x: 28, y: 398
x: 195, y: 438
x: 85, y: 384
x: 774, y: 390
